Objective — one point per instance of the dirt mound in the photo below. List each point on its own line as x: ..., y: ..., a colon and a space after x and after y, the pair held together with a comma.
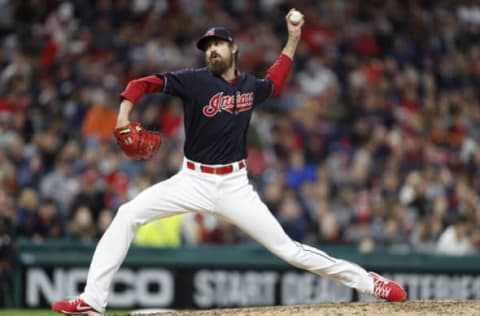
x: 409, y: 308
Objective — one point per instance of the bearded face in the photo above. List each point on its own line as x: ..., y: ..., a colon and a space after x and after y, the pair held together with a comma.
x: 219, y: 56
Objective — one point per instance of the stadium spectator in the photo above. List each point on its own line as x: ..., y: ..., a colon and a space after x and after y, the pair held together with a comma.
x: 455, y: 239
x: 377, y: 133
x: 8, y: 249
x: 165, y: 232
x: 105, y: 217
x: 82, y: 226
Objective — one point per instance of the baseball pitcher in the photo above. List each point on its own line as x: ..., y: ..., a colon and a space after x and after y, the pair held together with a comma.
x: 218, y: 101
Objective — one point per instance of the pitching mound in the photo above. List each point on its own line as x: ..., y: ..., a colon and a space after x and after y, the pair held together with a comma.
x: 410, y: 308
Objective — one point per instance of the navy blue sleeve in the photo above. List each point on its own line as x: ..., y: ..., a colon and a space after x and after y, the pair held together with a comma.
x: 177, y: 82
x: 263, y: 90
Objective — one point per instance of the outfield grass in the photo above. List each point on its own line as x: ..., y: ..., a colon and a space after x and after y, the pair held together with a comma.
x: 46, y: 312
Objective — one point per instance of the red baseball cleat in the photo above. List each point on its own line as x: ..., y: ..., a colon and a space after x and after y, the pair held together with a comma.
x: 387, y: 289
x: 75, y: 306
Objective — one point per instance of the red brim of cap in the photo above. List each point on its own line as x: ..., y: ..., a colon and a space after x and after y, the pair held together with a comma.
x: 203, y: 39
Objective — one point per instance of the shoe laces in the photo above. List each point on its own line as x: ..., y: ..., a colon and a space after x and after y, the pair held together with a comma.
x: 381, y: 288
x: 75, y: 300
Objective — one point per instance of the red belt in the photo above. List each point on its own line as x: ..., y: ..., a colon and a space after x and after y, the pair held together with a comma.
x: 216, y: 170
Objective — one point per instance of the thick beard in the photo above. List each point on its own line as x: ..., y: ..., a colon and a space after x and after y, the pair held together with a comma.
x: 221, y: 66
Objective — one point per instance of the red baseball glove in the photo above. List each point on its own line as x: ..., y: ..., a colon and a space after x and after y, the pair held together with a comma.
x: 136, y: 142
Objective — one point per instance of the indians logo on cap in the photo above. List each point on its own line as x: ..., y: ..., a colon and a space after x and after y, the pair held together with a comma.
x: 210, y: 32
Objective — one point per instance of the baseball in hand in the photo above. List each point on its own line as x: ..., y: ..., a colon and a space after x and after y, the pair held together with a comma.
x: 296, y: 17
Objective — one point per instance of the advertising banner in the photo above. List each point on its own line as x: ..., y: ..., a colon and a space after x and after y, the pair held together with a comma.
x: 201, y: 288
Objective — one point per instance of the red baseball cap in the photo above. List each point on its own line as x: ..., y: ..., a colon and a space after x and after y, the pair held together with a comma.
x: 220, y: 32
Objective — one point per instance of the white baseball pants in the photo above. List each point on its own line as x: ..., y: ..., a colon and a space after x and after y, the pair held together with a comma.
x: 230, y: 197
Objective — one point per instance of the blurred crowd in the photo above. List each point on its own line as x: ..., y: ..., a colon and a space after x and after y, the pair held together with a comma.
x: 375, y: 141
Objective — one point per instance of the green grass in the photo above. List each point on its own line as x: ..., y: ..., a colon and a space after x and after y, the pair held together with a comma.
x: 46, y: 312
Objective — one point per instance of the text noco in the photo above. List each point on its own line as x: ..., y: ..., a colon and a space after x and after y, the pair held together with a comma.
x: 225, y: 288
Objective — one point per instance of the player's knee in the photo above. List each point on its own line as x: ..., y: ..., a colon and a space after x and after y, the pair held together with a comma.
x: 289, y: 252
x: 294, y: 254
x: 126, y: 214
x: 123, y: 210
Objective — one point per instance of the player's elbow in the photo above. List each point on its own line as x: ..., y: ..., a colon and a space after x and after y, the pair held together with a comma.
x: 276, y: 92
x: 277, y: 85
x: 134, y: 91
